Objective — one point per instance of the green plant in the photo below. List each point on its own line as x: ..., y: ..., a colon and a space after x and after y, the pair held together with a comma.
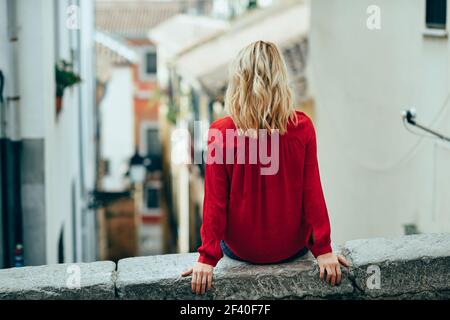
x: 172, y: 114
x: 65, y: 77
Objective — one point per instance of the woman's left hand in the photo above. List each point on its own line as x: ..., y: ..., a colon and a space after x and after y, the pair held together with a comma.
x: 330, y: 264
x: 202, y: 276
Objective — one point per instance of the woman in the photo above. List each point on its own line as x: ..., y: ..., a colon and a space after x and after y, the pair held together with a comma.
x: 255, y: 217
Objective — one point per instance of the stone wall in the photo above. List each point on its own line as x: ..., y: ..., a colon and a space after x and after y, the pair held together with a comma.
x: 409, y: 267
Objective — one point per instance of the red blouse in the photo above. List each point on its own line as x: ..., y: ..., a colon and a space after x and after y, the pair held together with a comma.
x: 265, y: 218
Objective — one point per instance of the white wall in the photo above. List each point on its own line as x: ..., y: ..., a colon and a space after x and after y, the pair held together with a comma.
x: 36, y: 79
x: 67, y: 140
x: 61, y: 151
x: 69, y: 155
x: 37, y: 90
x: 3, y: 64
x: 376, y: 175
x: 70, y: 141
x: 88, y: 87
x: 87, y: 128
x: 117, y: 118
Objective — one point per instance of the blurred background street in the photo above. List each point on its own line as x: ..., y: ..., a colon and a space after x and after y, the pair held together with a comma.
x: 91, y: 93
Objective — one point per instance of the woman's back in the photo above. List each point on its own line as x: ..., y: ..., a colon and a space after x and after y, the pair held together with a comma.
x: 267, y: 217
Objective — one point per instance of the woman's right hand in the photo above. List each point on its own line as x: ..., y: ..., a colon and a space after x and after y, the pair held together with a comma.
x: 202, y: 276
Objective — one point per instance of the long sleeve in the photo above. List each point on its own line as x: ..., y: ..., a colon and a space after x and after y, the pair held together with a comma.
x: 215, y: 204
x: 314, y: 205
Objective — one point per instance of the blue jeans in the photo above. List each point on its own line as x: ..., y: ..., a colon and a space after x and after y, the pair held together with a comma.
x: 230, y: 254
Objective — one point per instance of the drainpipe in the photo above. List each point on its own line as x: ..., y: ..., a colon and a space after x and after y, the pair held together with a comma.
x: 11, y: 150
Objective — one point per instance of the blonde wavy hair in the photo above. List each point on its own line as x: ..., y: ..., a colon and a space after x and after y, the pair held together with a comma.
x: 258, y: 95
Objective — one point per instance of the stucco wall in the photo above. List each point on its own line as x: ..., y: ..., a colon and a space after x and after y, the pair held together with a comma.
x: 377, y: 176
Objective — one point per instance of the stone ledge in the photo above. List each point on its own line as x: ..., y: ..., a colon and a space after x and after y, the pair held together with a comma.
x: 159, y: 278
x: 51, y: 282
x: 410, y: 267
x: 413, y: 267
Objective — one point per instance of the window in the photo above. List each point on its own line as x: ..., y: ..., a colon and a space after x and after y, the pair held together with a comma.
x: 436, y: 14
x: 152, y: 197
x: 151, y: 66
x: 152, y: 142
x: 106, y: 167
x: 150, y: 146
x: 148, y: 66
x: 252, y: 4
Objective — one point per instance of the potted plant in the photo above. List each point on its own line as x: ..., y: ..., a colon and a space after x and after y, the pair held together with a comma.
x: 65, y: 78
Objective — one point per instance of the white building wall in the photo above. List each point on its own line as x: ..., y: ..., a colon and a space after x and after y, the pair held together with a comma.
x: 71, y: 140
x: 117, y: 114
x: 61, y: 149
x: 68, y: 138
x: 36, y: 71
x: 88, y: 107
x: 3, y: 67
x: 37, y: 90
x: 3, y: 36
x: 88, y: 87
x: 377, y: 176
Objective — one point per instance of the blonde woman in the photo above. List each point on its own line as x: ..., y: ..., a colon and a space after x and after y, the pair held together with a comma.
x: 255, y: 217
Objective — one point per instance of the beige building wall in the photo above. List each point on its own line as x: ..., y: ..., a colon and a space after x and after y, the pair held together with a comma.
x: 377, y: 176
